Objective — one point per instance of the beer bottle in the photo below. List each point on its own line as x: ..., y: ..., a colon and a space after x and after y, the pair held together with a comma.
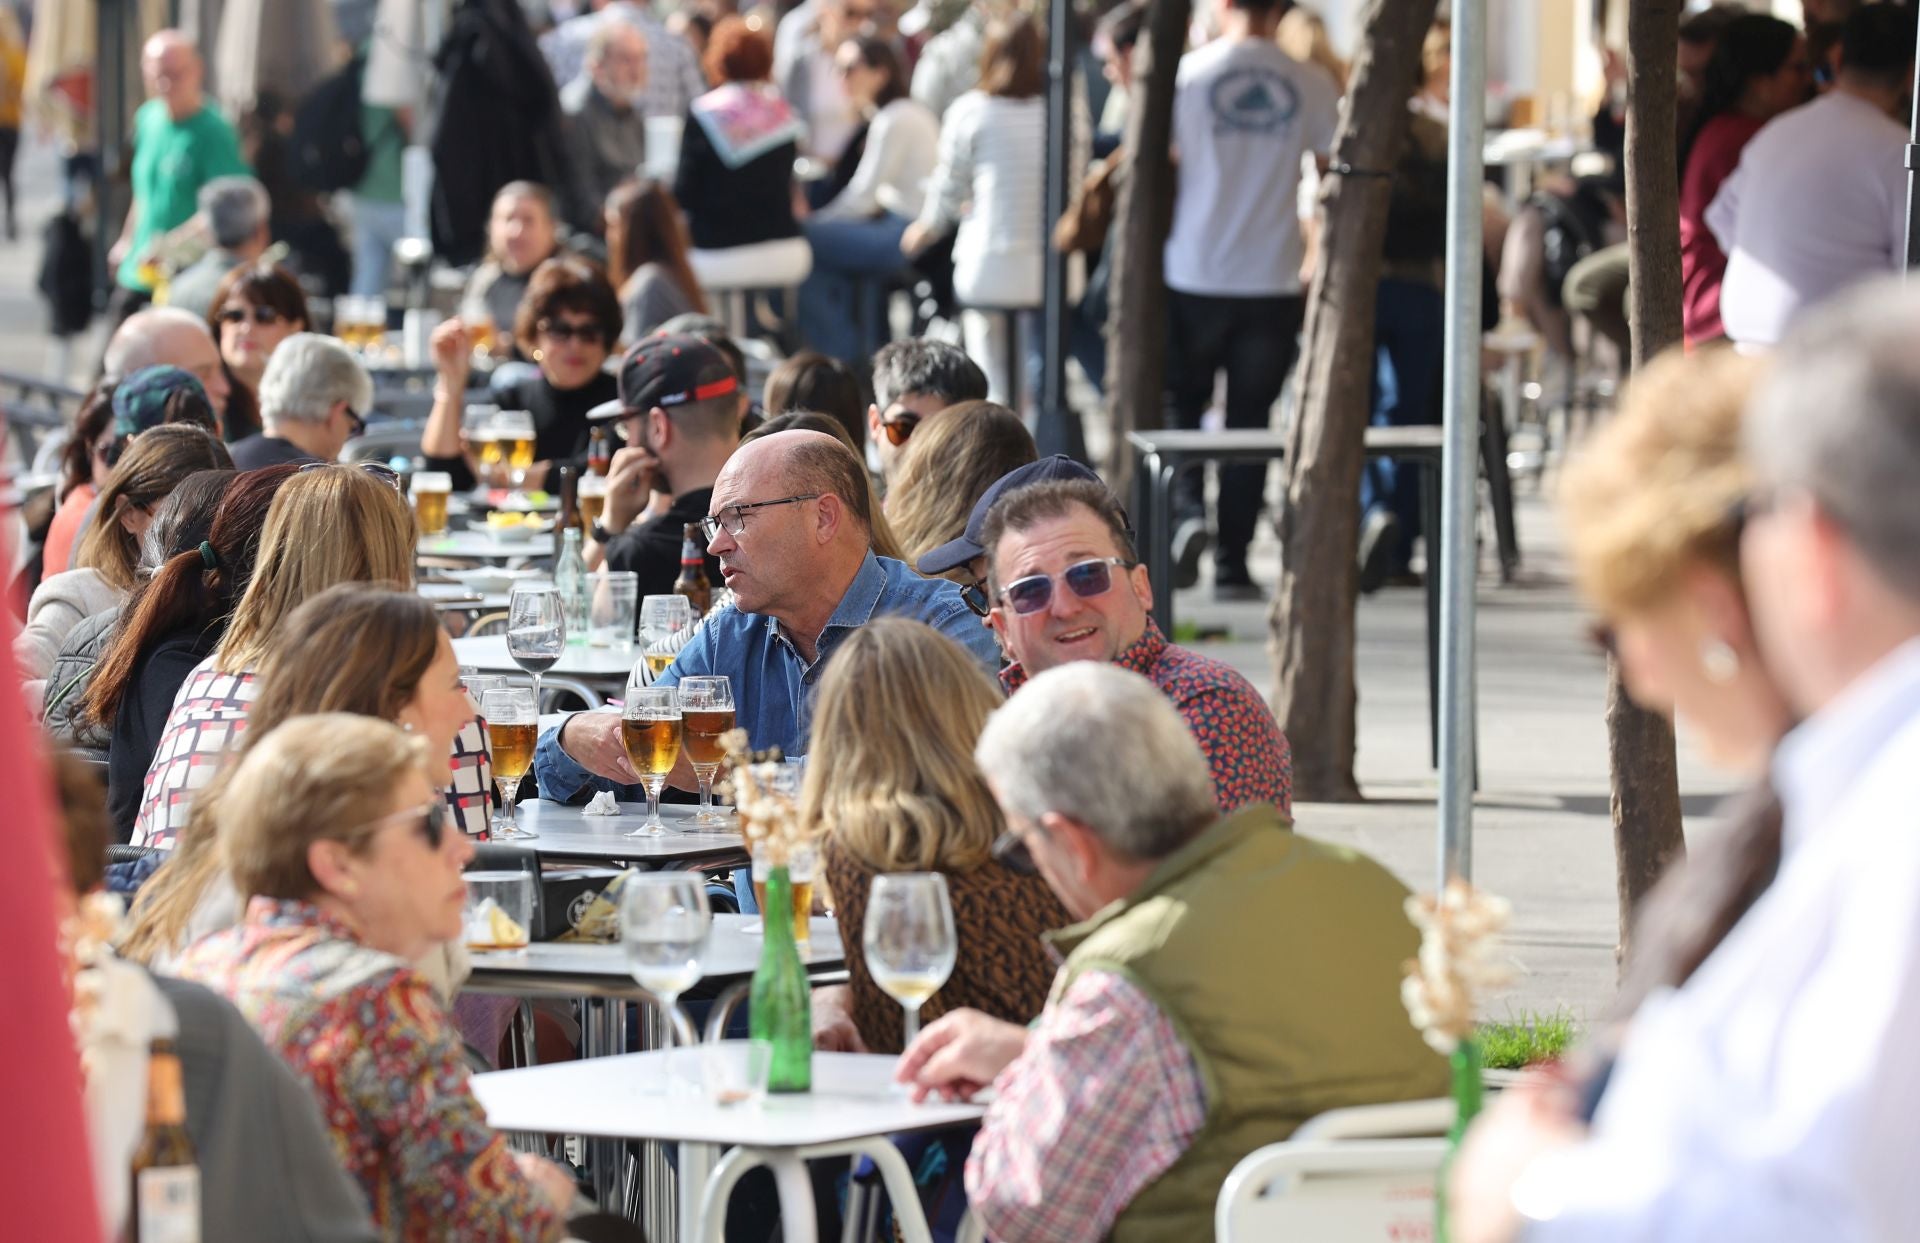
x: 165, y: 1207
x: 692, y: 582
x: 568, y: 515
x: 599, y: 451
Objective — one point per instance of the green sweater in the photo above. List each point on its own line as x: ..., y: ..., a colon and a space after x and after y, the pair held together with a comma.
x: 1278, y: 961
x: 171, y: 161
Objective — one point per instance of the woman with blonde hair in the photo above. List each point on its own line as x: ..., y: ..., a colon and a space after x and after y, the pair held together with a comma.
x: 947, y: 467
x: 891, y: 786
x: 333, y: 828
x: 327, y: 524
x: 354, y: 647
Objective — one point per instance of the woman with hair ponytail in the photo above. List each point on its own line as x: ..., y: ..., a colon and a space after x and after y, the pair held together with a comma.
x: 175, y: 623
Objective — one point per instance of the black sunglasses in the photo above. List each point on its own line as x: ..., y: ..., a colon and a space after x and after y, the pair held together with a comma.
x: 1085, y: 579
x: 264, y: 316
x: 379, y: 470
x: 975, y: 594
x: 432, y: 825
x: 560, y: 330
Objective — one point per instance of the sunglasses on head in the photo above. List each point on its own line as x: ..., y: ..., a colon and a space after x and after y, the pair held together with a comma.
x: 379, y: 470
x: 1085, y: 579
x: 561, y: 330
x: 264, y: 316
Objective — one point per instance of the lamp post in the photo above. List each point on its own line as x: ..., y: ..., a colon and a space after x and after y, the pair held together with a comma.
x: 1057, y: 427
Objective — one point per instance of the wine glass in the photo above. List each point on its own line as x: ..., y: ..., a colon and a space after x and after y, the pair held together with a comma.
x: 909, y: 940
x: 536, y: 630
x: 651, y: 729
x: 706, y: 705
x: 512, y: 724
x: 664, y: 923
x: 664, y: 624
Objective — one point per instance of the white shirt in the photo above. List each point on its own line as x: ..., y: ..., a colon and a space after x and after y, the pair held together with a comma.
x: 1817, y: 203
x: 1776, y: 1095
x: 903, y: 144
x: 1244, y: 113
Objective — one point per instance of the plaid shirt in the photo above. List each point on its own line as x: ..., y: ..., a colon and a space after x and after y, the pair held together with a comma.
x: 1102, y: 1102
x: 1249, y: 756
x: 674, y: 76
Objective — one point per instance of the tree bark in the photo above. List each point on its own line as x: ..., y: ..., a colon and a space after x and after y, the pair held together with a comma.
x: 1645, y: 803
x: 1311, y: 638
x: 1137, y: 318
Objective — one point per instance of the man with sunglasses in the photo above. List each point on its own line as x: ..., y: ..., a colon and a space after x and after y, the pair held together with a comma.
x: 1229, y: 979
x: 311, y: 398
x: 790, y: 523
x: 913, y: 380
x: 679, y: 416
x: 1064, y: 585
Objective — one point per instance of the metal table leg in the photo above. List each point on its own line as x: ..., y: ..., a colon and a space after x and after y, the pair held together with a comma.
x: 1430, y: 528
x: 1160, y: 539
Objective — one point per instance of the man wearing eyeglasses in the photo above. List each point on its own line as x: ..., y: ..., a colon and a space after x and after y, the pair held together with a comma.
x: 790, y: 523
x: 914, y: 380
x: 1064, y: 585
x: 311, y: 397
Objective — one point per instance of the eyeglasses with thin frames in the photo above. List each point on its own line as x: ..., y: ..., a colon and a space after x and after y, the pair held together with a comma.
x: 1085, y: 579
x: 733, y: 519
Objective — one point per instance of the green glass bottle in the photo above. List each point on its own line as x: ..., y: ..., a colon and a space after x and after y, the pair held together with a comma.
x: 780, y: 1010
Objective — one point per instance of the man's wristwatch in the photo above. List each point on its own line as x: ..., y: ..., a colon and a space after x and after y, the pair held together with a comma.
x: 599, y: 534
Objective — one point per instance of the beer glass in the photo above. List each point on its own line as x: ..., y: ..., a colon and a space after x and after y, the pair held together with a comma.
x: 665, y: 922
x: 908, y: 940
x: 483, y: 441
x: 512, y: 723
x: 651, y: 729
x: 706, y: 704
x: 431, y: 491
x: 664, y: 621
x: 536, y: 630
x: 802, y: 861
x: 614, y: 597
x: 515, y: 431
x: 478, y: 321
x: 593, y: 500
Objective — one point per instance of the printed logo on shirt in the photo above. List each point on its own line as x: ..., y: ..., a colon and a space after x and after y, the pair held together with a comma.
x: 1253, y: 101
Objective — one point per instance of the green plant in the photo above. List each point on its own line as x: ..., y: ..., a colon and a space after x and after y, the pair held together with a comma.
x: 1521, y: 1040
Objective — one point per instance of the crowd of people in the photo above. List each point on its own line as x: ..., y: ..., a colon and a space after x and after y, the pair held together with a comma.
x: 956, y: 632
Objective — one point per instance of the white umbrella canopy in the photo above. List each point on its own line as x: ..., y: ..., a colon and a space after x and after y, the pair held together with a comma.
x: 253, y: 45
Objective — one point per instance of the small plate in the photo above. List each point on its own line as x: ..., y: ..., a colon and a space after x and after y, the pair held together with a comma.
x: 490, y: 579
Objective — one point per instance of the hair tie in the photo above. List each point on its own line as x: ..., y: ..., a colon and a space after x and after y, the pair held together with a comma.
x: 208, y: 557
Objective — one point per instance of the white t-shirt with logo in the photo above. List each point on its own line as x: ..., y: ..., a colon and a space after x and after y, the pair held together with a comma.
x: 1244, y: 113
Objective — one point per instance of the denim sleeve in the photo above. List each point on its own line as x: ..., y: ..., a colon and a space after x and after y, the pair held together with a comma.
x: 564, y: 781
x: 965, y: 627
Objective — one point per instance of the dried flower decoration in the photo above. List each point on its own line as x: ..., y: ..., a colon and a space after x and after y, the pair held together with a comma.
x: 87, y: 940
x: 1459, y: 935
x: 765, y: 796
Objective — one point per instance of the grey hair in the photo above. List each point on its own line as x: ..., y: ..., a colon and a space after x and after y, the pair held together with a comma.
x: 1102, y: 746
x: 923, y: 366
x: 236, y: 208
x: 609, y: 33
x: 306, y: 375
x: 135, y: 344
x: 1838, y: 417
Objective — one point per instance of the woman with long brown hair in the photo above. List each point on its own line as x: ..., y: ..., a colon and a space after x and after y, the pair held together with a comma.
x: 85, y: 462
x: 355, y: 647
x: 947, y: 467
x: 647, y: 257
x: 892, y: 786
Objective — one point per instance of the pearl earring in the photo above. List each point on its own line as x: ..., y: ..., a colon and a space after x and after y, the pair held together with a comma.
x: 1719, y: 660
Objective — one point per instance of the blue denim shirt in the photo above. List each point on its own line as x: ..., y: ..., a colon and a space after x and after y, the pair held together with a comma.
x: 773, y: 685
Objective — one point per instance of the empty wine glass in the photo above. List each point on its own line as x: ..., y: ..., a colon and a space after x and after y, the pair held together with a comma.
x: 651, y: 730
x: 664, y: 923
x: 908, y: 940
x: 665, y: 624
x: 536, y: 630
x: 706, y: 705
x: 512, y: 724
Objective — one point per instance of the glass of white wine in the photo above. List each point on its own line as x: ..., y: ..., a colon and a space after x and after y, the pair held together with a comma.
x: 908, y: 940
x: 665, y: 923
x: 664, y: 625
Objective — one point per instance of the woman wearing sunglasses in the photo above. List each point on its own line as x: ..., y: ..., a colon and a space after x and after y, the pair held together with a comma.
x: 255, y: 308
x: 333, y: 827
x: 568, y: 323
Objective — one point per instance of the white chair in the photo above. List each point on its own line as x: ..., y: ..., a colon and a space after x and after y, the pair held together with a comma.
x: 1347, y: 1176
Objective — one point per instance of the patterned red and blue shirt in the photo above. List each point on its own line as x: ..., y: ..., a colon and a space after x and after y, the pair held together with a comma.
x: 1249, y: 756
x: 385, y: 1065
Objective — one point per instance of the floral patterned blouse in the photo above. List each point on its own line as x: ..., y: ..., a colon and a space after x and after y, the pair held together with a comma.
x: 384, y: 1062
x: 209, y: 715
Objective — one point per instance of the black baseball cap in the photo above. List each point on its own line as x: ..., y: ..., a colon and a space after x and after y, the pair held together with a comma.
x: 967, y: 547
x: 667, y: 372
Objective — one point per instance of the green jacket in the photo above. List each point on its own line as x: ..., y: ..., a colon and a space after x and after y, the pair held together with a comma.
x: 1278, y: 960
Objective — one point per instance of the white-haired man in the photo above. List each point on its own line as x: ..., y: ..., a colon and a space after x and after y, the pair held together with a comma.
x: 236, y: 210
x: 313, y: 399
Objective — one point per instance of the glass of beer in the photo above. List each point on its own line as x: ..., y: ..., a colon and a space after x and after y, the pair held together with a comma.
x: 514, y: 428
x: 908, y: 939
x: 431, y: 490
x: 478, y: 321
x: 665, y: 623
x: 801, y: 862
x: 651, y: 729
x: 593, y: 500
x: 706, y: 703
x: 511, y: 724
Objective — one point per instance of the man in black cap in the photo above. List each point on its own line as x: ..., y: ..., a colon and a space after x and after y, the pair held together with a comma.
x: 968, y: 551
x: 679, y: 414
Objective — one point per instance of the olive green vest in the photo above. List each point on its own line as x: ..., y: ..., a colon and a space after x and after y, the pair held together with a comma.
x: 1278, y: 960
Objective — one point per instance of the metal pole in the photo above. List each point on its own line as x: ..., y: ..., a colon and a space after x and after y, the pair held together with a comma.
x: 1913, y: 175
x: 1056, y: 424
x: 1460, y: 462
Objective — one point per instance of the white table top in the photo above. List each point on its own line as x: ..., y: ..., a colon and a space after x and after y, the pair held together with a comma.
x: 732, y: 954
x: 483, y: 547
x: 488, y: 653
x: 567, y: 833
x: 853, y: 1097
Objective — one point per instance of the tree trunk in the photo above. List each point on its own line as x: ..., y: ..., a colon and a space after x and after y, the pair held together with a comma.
x: 1311, y: 623
x: 1645, y: 805
x: 1137, y: 318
